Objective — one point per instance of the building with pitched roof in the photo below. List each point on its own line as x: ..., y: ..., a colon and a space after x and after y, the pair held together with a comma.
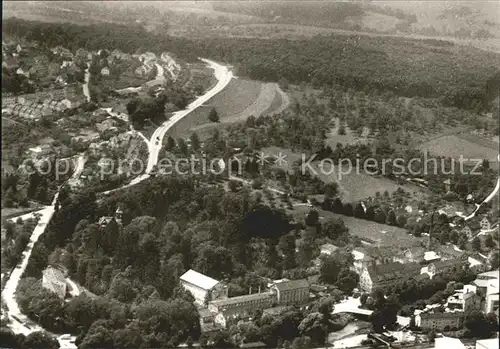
x: 202, y: 287
x: 241, y: 306
x: 439, y: 321
x: 464, y: 300
x: 54, y: 279
x: 383, y: 275
x: 291, y: 292
x: 328, y: 249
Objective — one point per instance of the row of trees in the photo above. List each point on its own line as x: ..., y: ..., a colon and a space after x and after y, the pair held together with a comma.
x: 363, y: 63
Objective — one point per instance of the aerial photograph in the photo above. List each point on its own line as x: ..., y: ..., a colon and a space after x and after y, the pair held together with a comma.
x: 263, y: 174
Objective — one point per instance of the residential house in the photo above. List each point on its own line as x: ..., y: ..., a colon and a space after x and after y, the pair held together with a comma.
x: 415, y: 254
x: 54, y: 279
x: 441, y: 267
x: 383, y: 275
x: 487, y: 287
x: 464, y: 300
x: 202, y: 287
x: 471, y: 228
x: 238, y: 307
x: 105, y: 71
x: 485, y: 223
x: 328, y: 249
x: 439, y: 321
x: 291, y: 292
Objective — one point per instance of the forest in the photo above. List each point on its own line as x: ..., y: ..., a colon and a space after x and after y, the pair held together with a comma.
x: 459, y: 76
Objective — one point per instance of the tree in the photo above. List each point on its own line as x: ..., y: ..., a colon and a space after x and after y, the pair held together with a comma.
x: 341, y: 131
x: 347, y: 210
x: 476, y: 244
x: 213, y: 116
x: 312, y: 218
x: 195, y: 141
x: 329, y: 269
x: 359, y: 211
x: 489, y: 241
x: 391, y: 218
x: 380, y: 216
x: 337, y: 206
x: 40, y: 340
x: 170, y: 143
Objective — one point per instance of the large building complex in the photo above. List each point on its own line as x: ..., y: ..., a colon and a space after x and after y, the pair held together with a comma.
x: 202, y: 287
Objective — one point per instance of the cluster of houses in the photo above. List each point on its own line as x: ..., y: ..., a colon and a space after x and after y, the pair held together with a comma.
x: 39, y: 104
x: 481, y: 295
x: 217, y: 309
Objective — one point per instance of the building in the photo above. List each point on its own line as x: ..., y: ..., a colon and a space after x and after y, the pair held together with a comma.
x: 291, y: 292
x: 487, y: 343
x: 253, y: 345
x: 439, y: 321
x: 240, y: 307
x: 441, y: 267
x: 54, y: 279
x: 328, y: 249
x: 410, y: 255
x: 383, y: 275
x: 491, y: 298
x: 202, y: 287
x: 464, y: 300
x: 105, y: 71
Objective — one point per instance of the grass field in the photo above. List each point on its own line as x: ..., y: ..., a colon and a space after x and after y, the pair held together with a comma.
x: 240, y: 99
x: 372, y: 232
x: 353, y: 186
x: 469, y: 146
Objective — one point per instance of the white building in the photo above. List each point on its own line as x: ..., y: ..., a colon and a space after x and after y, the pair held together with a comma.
x: 487, y: 343
x: 202, y: 287
x: 54, y: 279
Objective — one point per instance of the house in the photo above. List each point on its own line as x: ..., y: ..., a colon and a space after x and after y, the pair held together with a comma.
x: 383, y: 275
x: 328, y: 249
x: 202, y: 287
x: 441, y: 267
x: 464, y: 300
x: 439, y: 321
x: 105, y: 71
x: 482, y: 280
x: 410, y: 255
x: 491, y: 298
x: 54, y: 279
x: 291, y: 292
x: 237, y: 307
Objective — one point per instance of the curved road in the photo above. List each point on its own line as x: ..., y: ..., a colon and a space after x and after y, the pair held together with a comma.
x: 9, y: 291
x: 490, y: 197
x: 223, y: 76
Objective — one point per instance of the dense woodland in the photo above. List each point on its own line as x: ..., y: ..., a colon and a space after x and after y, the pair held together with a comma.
x: 468, y: 78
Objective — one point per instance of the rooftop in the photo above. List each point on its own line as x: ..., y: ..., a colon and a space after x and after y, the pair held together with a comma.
x: 442, y: 315
x: 198, y: 279
x: 292, y: 284
x: 245, y: 298
x: 487, y: 343
x: 381, y: 272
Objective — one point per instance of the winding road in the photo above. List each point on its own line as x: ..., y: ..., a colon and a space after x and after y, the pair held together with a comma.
x: 223, y: 76
x: 490, y: 197
x: 9, y: 291
x: 17, y: 319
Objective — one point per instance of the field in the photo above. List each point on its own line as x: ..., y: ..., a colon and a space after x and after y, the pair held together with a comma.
x: 469, y: 146
x: 353, y: 186
x: 240, y: 99
x: 371, y: 232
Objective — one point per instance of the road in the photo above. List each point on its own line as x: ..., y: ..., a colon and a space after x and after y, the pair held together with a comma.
x: 9, y: 291
x: 223, y: 76
x: 490, y: 197
x: 85, y: 86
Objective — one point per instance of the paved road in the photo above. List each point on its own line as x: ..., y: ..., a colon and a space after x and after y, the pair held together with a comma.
x: 490, y: 197
x: 224, y: 76
x: 9, y: 291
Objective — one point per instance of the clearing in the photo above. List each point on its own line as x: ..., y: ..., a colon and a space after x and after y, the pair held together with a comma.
x: 469, y: 146
x: 239, y: 100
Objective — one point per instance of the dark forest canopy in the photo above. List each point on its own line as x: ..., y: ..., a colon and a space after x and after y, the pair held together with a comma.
x: 459, y: 76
